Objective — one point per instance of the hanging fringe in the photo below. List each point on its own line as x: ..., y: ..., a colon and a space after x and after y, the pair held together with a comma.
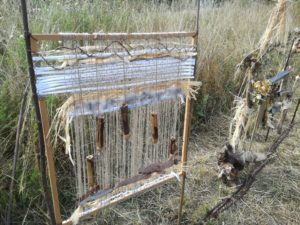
x: 64, y: 116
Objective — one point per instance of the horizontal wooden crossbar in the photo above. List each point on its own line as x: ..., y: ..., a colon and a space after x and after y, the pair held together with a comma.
x: 116, y: 199
x: 109, y: 36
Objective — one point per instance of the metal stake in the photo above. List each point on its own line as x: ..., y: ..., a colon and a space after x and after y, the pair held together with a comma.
x: 27, y: 36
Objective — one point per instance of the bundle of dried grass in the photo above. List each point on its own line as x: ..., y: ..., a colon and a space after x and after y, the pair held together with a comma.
x: 245, y: 117
x: 240, y: 124
x: 275, y: 32
x: 276, y: 28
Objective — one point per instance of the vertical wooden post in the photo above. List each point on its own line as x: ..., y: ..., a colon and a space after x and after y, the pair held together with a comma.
x: 154, y: 127
x: 90, y: 171
x: 187, y: 118
x: 50, y: 160
x: 99, y: 133
x: 186, y: 134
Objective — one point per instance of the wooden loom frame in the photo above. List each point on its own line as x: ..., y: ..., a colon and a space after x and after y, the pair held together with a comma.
x: 45, y: 124
x: 42, y: 113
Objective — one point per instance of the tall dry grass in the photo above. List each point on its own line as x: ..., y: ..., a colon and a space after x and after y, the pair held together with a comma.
x: 226, y: 34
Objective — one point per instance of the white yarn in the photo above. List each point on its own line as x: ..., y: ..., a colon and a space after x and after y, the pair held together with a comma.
x: 76, y: 215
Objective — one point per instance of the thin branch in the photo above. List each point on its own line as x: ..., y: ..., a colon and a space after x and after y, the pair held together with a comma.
x: 16, y: 153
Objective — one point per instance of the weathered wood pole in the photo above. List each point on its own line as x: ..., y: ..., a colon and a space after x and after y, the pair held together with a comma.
x: 186, y: 134
x: 50, y: 160
x: 284, y: 112
x: 187, y: 120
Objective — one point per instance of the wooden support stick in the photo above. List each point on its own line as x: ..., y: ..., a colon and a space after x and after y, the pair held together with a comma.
x: 154, y: 127
x: 186, y: 133
x: 261, y: 112
x: 90, y: 171
x: 187, y: 119
x: 181, y: 196
x: 99, y: 133
x: 125, y: 119
x: 50, y: 161
x: 254, y: 130
x: 281, y: 120
x: 283, y: 84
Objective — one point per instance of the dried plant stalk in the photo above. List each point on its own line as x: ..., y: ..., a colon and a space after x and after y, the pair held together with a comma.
x: 90, y: 171
x: 62, y: 118
x: 125, y: 119
x: 172, y: 146
x: 99, y: 133
x: 154, y: 127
